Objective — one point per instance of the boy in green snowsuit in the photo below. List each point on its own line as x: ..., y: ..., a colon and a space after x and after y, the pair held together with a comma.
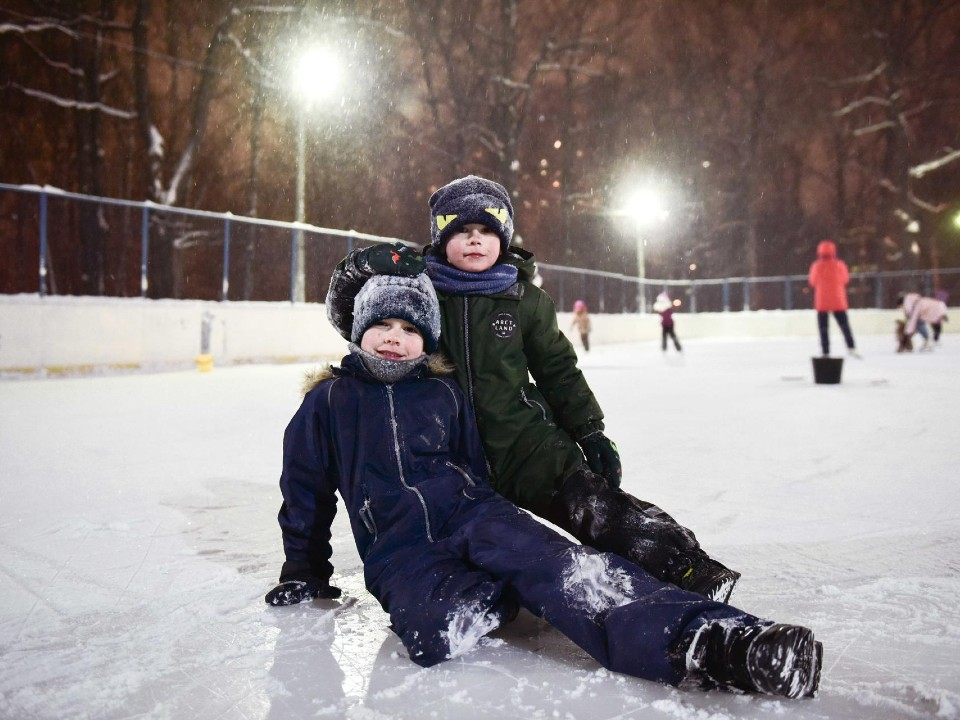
x: 544, y: 441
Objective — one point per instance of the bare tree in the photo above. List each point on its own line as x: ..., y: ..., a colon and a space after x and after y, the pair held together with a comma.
x: 907, y: 85
x: 169, y: 175
x: 69, y: 45
x: 775, y: 121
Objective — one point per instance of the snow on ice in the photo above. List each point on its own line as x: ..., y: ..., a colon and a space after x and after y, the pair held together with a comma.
x: 138, y: 530
x: 593, y: 587
x: 468, y: 626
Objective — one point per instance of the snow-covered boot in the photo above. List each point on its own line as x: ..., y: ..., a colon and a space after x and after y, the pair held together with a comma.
x: 765, y: 658
x: 709, y: 578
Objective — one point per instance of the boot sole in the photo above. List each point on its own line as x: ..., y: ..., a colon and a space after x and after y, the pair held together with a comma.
x: 785, y: 660
x: 815, y: 682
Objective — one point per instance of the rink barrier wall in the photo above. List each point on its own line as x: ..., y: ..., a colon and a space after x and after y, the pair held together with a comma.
x: 66, y: 335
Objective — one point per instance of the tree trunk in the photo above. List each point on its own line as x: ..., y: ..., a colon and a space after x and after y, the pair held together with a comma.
x: 87, y: 58
x: 256, y: 121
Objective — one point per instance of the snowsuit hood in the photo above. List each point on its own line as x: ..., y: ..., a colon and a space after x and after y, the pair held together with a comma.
x: 437, y: 365
x: 827, y: 250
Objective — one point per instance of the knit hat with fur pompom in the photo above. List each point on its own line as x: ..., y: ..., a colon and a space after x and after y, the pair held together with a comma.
x: 395, y: 296
x: 471, y: 199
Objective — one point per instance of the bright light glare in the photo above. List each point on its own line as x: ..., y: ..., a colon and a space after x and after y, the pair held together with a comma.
x: 646, y: 206
x: 316, y: 74
x: 956, y: 220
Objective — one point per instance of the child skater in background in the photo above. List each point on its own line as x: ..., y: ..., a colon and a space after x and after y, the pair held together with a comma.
x: 543, y: 438
x: 581, y: 320
x: 918, y: 311
x: 449, y: 559
x: 664, y: 307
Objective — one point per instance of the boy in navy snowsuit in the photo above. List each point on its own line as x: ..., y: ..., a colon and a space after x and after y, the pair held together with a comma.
x: 448, y: 558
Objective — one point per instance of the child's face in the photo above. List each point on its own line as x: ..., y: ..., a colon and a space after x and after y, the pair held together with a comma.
x: 474, y: 248
x: 393, y: 339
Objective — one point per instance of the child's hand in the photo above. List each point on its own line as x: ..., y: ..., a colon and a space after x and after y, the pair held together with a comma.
x: 395, y: 259
x: 292, y: 592
x: 602, y: 457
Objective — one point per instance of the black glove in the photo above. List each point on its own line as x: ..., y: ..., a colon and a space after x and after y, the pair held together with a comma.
x: 292, y: 592
x: 395, y: 259
x: 602, y: 457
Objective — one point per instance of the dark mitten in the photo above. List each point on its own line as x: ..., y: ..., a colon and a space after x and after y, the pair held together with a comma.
x: 292, y: 592
x: 602, y: 456
x: 395, y: 259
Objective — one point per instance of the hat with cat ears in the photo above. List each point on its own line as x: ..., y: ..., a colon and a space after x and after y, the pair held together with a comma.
x: 469, y: 200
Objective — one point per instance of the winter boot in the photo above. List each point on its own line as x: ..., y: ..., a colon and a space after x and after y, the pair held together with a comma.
x: 705, y: 576
x: 764, y: 658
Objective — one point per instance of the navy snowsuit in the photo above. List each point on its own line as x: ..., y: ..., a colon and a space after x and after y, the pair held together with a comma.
x: 445, y: 556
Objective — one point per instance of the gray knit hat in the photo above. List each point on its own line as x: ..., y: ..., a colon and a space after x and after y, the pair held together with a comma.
x: 471, y: 199
x: 395, y: 296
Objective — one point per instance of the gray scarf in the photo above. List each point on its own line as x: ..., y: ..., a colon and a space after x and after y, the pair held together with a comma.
x: 387, y: 371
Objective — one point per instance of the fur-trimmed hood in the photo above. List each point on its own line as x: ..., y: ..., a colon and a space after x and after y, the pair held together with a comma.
x: 437, y: 364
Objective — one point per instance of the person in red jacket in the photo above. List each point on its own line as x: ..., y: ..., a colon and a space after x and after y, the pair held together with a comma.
x: 829, y: 277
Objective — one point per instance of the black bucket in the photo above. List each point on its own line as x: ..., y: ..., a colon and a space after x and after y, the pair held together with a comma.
x: 827, y: 370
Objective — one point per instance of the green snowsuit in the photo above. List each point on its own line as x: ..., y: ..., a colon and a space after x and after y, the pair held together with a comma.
x: 520, y: 372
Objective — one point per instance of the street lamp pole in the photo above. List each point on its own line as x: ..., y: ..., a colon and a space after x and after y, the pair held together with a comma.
x: 641, y: 271
x: 299, y: 246
x: 645, y: 206
x: 315, y: 76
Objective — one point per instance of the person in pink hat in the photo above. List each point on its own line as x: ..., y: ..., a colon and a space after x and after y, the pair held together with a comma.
x: 581, y: 320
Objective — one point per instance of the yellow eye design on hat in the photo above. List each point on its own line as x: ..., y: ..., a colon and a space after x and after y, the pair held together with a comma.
x: 444, y: 220
x: 499, y: 213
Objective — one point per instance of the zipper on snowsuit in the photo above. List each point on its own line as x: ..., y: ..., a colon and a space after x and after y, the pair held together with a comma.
x: 466, y: 475
x: 469, y: 374
x: 396, y: 450
x: 466, y: 353
x: 367, y: 517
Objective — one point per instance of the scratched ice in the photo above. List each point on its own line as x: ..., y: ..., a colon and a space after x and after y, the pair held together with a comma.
x: 138, y: 535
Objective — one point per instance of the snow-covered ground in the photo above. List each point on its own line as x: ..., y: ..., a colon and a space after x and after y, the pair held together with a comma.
x: 138, y: 536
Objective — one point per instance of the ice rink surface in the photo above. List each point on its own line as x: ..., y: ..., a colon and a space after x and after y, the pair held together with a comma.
x: 138, y: 535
